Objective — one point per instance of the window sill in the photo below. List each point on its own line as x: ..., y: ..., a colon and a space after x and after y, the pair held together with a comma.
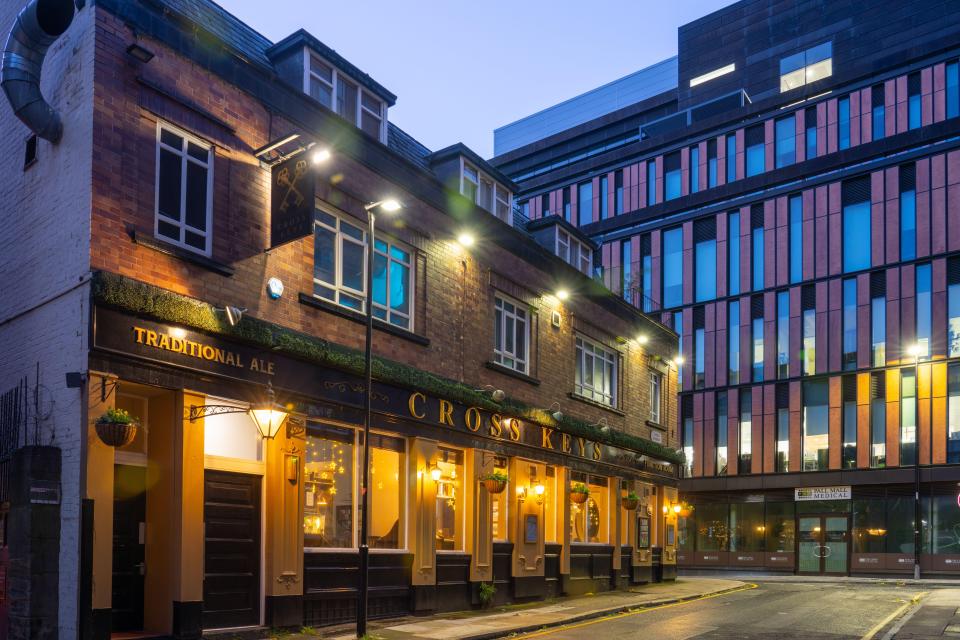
x: 507, y: 371
x: 378, y: 324
x: 594, y: 403
x: 177, y: 252
x: 656, y: 425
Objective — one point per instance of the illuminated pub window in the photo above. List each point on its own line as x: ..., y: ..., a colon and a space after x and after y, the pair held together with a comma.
x: 552, y: 530
x: 231, y: 435
x: 780, y: 527
x: 450, y: 497
x: 385, y: 527
x: 499, y: 501
x: 589, y: 521
x: 328, y: 519
x: 747, y: 529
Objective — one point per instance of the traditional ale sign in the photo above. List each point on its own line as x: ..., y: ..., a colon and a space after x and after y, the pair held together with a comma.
x: 821, y: 493
x: 291, y: 200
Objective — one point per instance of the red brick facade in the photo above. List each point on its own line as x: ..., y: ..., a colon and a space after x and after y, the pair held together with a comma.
x: 454, y: 289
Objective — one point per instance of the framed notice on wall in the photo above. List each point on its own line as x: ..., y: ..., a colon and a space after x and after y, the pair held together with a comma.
x: 643, y: 532
x: 671, y: 535
x: 531, y: 532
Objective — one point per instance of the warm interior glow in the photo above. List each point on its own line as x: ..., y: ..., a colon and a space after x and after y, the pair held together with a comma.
x: 268, y: 420
x: 710, y: 75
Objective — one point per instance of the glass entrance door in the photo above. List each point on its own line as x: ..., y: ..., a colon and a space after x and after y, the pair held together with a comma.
x: 823, y: 544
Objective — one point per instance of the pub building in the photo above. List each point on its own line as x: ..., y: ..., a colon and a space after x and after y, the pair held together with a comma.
x: 191, y: 342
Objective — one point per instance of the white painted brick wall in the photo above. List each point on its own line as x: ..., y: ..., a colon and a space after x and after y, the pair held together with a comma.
x: 44, y: 263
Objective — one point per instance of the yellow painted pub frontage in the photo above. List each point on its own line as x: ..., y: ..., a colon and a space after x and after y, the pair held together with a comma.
x: 212, y: 525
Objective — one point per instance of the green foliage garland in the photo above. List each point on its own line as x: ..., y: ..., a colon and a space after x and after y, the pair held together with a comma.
x: 147, y: 300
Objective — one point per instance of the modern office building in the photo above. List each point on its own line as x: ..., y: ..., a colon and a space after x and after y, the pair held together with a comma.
x: 187, y: 270
x: 785, y: 194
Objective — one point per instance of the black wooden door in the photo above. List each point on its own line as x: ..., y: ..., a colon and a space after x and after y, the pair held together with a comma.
x: 231, y: 579
x: 129, y: 515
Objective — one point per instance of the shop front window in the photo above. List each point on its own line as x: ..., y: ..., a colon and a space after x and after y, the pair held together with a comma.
x: 328, y: 519
x: 900, y: 518
x: 869, y: 525
x: 747, y: 529
x: 713, y: 526
x: 385, y: 527
x: 449, y: 536
x: 780, y: 527
x: 944, y: 523
x: 589, y: 520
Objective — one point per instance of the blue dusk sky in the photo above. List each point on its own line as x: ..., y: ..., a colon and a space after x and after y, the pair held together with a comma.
x: 462, y: 69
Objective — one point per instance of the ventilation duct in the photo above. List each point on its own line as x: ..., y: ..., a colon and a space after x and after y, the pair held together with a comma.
x: 37, y: 26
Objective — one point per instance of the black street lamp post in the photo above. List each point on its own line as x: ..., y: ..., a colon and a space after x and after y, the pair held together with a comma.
x: 388, y: 206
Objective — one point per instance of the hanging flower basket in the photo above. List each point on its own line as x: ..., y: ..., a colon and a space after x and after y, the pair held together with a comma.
x: 631, y: 501
x: 495, y: 482
x: 495, y: 486
x: 116, y: 428
x: 685, y: 510
x: 579, y: 494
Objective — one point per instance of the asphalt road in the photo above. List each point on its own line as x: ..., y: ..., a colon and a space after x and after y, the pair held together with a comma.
x: 772, y: 610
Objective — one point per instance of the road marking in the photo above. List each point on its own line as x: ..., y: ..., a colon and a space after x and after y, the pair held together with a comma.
x: 880, y: 625
x: 625, y: 614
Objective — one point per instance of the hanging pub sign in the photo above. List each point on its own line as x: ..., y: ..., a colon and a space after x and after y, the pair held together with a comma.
x: 291, y: 200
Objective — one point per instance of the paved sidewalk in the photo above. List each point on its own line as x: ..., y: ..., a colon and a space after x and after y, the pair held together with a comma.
x: 501, y: 621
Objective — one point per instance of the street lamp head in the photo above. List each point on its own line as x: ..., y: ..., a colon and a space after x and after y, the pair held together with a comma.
x: 915, y: 350
x: 562, y: 294
x: 320, y: 156
x: 678, y: 361
x: 387, y: 205
x: 642, y: 338
x: 466, y: 239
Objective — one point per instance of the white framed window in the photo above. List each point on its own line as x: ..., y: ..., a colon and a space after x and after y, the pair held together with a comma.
x: 486, y: 192
x: 338, y: 92
x: 339, y: 270
x: 511, y: 334
x: 183, y: 204
x: 574, y: 252
x: 595, y: 376
x: 656, y: 384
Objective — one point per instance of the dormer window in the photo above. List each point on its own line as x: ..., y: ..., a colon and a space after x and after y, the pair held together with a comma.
x: 485, y: 191
x: 338, y: 92
x: 573, y: 252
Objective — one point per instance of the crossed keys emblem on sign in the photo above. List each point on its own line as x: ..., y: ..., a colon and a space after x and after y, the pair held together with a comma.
x: 284, y: 180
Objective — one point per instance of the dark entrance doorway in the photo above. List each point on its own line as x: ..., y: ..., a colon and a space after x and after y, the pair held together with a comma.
x: 129, y: 516
x: 231, y: 580
x: 823, y: 544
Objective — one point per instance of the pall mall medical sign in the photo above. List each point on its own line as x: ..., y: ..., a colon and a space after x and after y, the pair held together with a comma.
x: 821, y: 493
x: 291, y: 200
